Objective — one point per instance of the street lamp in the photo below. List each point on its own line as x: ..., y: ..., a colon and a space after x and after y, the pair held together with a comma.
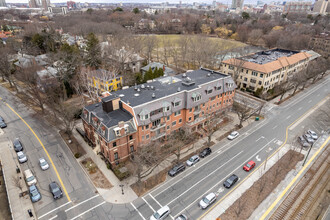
x: 122, y: 189
x: 267, y: 152
x: 308, y: 154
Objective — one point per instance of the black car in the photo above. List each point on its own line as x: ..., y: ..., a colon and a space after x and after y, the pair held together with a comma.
x: 205, y: 152
x: 55, y: 190
x: 176, y: 169
x: 3, y: 124
x: 230, y: 181
x: 17, y: 145
x: 303, y: 142
x: 1, y: 119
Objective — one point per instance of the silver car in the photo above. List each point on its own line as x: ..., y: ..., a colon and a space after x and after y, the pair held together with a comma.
x: 43, y: 164
x: 192, y: 160
x: 309, y: 138
x: 233, y: 135
x: 21, y: 157
x: 207, y: 200
x: 312, y: 134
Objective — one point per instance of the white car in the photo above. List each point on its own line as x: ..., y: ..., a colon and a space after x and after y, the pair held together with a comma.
x: 312, y: 134
x: 233, y: 135
x: 43, y: 164
x: 29, y: 178
x: 21, y: 157
x: 161, y: 214
x: 207, y: 200
x: 192, y: 160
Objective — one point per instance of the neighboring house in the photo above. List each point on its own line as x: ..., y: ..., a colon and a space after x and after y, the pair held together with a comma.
x: 101, y: 80
x: 128, y: 60
x: 321, y: 44
x: 24, y: 60
x: 265, y: 69
x: 47, y: 78
x: 149, y: 112
x: 146, y: 24
x: 297, y: 7
x: 167, y: 71
x: 58, y: 10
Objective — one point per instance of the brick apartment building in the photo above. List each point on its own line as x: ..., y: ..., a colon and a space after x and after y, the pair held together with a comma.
x: 321, y: 44
x: 265, y: 69
x: 131, y: 117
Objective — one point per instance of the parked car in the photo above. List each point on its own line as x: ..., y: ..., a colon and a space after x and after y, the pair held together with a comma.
x: 207, y: 200
x: 312, y: 134
x: 161, y: 214
x: 176, y: 169
x: 181, y: 217
x: 303, y: 142
x: 34, y: 193
x: 3, y: 124
x: 43, y: 164
x: 205, y: 152
x: 192, y: 160
x: 249, y: 166
x: 21, y: 157
x: 309, y: 138
x: 29, y: 178
x: 17, y: 145
x: 233, y: 135
x: 55, y: 190
x: 1, y: 119
x: 230, y: 181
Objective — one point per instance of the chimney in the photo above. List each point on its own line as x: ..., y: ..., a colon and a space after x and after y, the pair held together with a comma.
x: 110, y: 103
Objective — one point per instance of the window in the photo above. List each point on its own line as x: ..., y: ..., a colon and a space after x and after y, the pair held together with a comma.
x: 254, y: 73
x: 190, y: 110
x: 213, y: 98
x: 144, y: 117
x: 173, y: 123
x: 177, y: 103
x: 116, y: 156
x: 259, y: 82
x: 166, y: 109
x: 261, y: 75
x: 189, y: 119
x: 196, y: 97
x: 213, y: 105
x: 142, y: 128
x: 180, y: 121
x: 245, y: 79
x: 117, y: 132
x: 147, y: 126
x: 131, y: 137
x: 168, y: 127
x: 114, y: 144
x: 241, y: 77
x: 156, y: 123
x: 196, y: 116
x: 247, y: 71
x: 177, y: 113
x: 253, y: 80
x: 231, y: 67
x: 142, y: 137
x: 132, y: 148
x: 168, y: 118
x: 147, y: 136
x: 209, y: 90
x: 203, y: 104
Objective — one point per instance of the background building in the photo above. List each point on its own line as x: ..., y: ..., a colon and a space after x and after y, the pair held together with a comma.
x: 297, y: 7
x: 266, y: 69
x: 149, y: 112
x: 321, y: 44
x: 237, y: 4
x: 322, y: 7
x: 3, y: 3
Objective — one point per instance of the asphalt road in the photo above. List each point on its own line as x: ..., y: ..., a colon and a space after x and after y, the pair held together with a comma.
x: 181, y: 193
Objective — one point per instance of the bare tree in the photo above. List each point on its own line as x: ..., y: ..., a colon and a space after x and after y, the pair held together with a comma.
x: 17, y: 182
x: 255, y: 35
x: 282, y: 88
x: 149, y: 42
x: 211, y: 125
x: 240, y: 206
x: 6, y: 67
x: 243, y: 111
x: 262, y: 183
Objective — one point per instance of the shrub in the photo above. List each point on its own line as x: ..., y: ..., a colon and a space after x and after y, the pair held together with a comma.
x: 77, y: 155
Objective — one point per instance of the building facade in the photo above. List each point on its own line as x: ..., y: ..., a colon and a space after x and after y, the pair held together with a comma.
x: 297, y: 7
x: 3, y: 3
x: 149, y: 112
x: 322, y: 7
x: 321, y: 44
x: 235, y: 4
x: 266, y: 69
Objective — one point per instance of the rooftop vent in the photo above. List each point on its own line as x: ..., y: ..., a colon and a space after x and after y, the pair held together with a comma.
x: 148, y: 87
x: 138, y: 90
x: 121, y: 95
x: 136, y: 94
x: 142, y: 86
x: 135, y: 87
x: 179, y: 89
x: 96, y: 105
x: 184, y: 75
x: 153, y: 95
x: 188, y: 79
x: 209, y: 74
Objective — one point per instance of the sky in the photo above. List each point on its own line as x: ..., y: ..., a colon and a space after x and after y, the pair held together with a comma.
x: 140, y: 1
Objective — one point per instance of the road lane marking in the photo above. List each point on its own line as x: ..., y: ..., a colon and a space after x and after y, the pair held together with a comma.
x: 88, y: 210
x: 275, y: 127
x: 318, y: 95
x: 204, y: 178
x: 260, y: 138
x: 257, y: 157
x: 299, y: 108
x: 53, y: 217
x: 148, y: 204
x: 138, y: 211
x: 288, y: 117
x: 270, y: 208
x: 286, y: 139
x: 155, y: 200
x: 53, y: 210
x: 81, y: 203
x: 50, y: 159
x: 309, y: 101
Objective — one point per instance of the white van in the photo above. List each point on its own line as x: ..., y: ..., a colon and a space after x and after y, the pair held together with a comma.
x: 29, y: 178
x: 161, y: 214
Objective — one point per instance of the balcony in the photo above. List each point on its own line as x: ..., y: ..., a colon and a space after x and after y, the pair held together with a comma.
x: 196, y: 112
x: 198, y: 120
x: 159, y: 126
x: 156, y: 137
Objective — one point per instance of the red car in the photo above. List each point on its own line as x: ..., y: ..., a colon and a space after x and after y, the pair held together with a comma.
x: 249, y: 165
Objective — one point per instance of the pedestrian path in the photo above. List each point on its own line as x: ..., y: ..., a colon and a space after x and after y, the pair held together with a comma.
x: 19, y: 206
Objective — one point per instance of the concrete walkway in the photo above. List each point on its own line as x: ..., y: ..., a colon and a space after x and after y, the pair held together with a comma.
x: 19, y: 206
x: 114, y: 195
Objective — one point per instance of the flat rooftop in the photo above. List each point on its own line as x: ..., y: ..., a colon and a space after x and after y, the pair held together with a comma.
x: 166, y: 86
x: 268, y: 56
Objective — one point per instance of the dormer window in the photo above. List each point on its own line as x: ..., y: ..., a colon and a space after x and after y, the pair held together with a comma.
x: 117, y: 131
x: 144, y: 114
x: 144, y: 117
x: 176, y: 102
x: 95, y: 120
x: 209, y: 90
x: 126, y: 128
x: 196, y: 97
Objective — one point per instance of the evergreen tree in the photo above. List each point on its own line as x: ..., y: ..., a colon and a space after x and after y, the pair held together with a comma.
x: 93, y: 56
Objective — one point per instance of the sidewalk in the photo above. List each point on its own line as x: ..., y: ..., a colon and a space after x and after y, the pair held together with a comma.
x: 19, y: 206
x: 114, y: 195
x: 228, y: 201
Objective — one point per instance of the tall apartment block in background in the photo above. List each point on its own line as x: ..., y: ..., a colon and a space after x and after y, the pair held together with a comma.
x: 266, y: 69
x: 297, y: 7
x: 3, y: 3
x: 237, y: 4
x: 129, y: 118
x: 321, y: 44
x: 322, y: 7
